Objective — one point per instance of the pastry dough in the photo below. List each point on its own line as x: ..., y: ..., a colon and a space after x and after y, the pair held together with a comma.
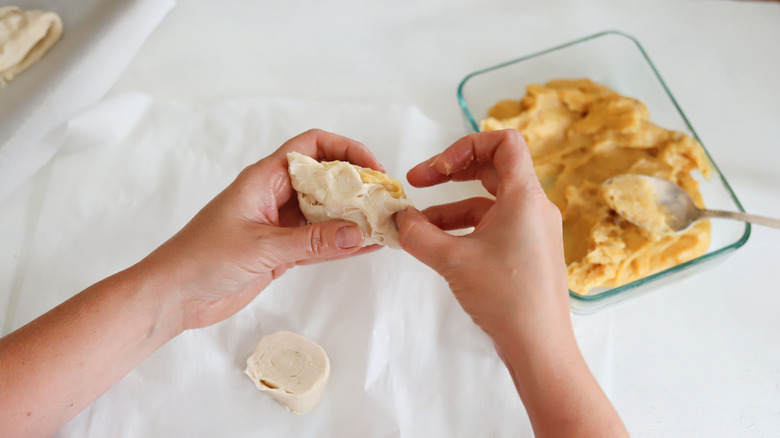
x: 25, y: 36
x: 291, y: 369
x: 339, y: 190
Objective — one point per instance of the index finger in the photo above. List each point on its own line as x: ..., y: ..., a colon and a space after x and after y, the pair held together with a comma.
x: 326, y: 146
x: 475, y: 155
x: 268, y: 179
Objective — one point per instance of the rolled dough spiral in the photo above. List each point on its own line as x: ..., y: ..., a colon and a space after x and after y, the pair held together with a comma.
x: 291, y: 369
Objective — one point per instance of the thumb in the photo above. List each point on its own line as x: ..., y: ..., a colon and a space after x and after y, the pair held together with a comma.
x: 423, y: 240
x: 320, y: 241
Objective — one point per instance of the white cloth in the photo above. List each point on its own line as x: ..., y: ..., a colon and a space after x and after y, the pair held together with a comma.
x: 405, y: 359
x: 99, y: 42
x: 697, y: 358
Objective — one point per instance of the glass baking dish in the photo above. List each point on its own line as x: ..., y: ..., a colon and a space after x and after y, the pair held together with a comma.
x: 618, y: 61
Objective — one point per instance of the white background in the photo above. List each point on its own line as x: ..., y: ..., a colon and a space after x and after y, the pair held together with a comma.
x: 697, y: 358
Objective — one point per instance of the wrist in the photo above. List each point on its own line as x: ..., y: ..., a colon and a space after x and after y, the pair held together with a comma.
x: 526, y: 339
x: 159, y: 296
x: 559, y: 392
x: 539, y: 321
x: 535, y: 342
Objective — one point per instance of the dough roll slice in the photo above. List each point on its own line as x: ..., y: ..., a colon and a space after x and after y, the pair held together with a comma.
x: 340, y: 190
x: 291, y: 369
x: 25, y: 36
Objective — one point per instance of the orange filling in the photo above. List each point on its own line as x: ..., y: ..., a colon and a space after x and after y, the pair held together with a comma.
x: 581, y: 133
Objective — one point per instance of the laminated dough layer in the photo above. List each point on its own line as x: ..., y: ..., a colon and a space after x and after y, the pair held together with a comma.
x: 340, y: 190
x: 25, y: 36
x: 291, y: 369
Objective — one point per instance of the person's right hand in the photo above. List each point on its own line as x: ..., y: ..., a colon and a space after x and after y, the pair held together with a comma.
x: 509, y: 275
x: 510, y: 270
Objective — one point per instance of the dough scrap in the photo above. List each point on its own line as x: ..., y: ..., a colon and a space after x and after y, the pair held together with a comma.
x: 291, y: 369
x: 340, y: 190
x: 25, y: 36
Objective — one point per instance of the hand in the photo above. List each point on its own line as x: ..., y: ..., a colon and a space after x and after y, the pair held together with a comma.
x: 248, y: 235
x: 511, y: 268
x: 509, y: 275
x: 251, y: 233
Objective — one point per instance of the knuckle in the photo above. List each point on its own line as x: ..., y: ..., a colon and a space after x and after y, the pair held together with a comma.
x: 314, y: 132
x: 246, y: 173
x: 555, y: 212
x: 515, y: 136
x: 317, y: 241
x: 450, y: 265
x: 550, y: 212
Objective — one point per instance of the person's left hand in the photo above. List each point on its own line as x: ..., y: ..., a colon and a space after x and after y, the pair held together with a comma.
x: 250, y: 234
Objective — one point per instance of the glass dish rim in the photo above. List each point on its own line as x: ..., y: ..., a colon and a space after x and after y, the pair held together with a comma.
x: 666, y: 272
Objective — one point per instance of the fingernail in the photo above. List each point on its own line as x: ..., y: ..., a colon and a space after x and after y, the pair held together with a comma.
x: 349, y: 237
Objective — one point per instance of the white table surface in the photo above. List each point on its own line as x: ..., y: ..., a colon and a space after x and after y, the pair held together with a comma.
x: 700, y: 357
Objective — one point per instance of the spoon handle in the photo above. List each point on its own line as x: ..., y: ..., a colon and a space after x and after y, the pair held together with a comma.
x: 752, y: 218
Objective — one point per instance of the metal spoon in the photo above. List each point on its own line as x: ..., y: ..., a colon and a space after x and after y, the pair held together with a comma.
x: 679, y: 208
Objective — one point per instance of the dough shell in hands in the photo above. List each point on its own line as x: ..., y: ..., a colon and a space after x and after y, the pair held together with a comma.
x: 25, y: 36
x: 291, y: 369
x: 340, y: 190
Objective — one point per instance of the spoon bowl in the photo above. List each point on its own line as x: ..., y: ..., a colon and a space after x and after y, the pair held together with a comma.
x: 643, y: 195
